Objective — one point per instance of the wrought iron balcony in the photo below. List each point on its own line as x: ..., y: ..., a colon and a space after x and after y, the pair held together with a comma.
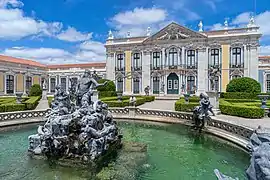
x: 237, y: 66
x: 137, y: 68
x: 191, y: 67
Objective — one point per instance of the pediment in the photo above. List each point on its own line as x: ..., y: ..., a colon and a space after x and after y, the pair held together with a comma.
x: 174, y: 32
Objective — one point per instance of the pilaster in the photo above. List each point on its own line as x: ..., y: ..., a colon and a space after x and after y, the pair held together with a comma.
x: 183, y: 59
x: 246, y: 61
x: 110, y: 66
x: 225, y: 67
x: 128, y: 89
x: 202, y: 69
x: 146, y: 72
x: 253, y: 61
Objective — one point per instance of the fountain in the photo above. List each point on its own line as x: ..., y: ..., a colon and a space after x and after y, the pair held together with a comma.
x: 82, y: 130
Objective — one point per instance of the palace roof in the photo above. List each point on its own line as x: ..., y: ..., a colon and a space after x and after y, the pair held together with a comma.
x: 10, y: 59
x: 82, y: 65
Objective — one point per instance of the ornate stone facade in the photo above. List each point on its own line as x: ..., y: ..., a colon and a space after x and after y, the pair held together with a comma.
x: 176, y: 55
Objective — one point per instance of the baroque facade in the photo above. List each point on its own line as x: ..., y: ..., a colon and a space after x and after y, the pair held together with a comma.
x: 264, y: 73
x: 18, y: 75
x: 179, y: 58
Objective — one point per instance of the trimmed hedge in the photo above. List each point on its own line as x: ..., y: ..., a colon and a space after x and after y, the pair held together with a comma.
x: 10, y: 104
x: 244, y: 84
x: 124, y: 103
x: 110, y: 86
x: 181, y: 105
x: 240, y: 110
x: 102, y: 94
x: 32, y: 102
x: 239, y: 95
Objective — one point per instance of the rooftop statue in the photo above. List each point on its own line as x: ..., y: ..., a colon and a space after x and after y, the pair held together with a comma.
x: 85, y: 132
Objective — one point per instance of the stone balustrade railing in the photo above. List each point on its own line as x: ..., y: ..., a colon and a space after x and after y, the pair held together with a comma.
x: 137, y: 113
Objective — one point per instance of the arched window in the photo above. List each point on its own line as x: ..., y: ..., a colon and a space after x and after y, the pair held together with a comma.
x: 120, y: 62
x: 136, y: 61
x: 28, y: 83
x: 136, y: 85
x: 236, y: 58
x: 10, y: 84
x: 173, y: 57
x: 52, y: 84
x: 214, y: 58
x: 120, y: 84
x: 268, y: 83
x: 63, y: 82
x: 191, y: 63
x: 190, y: 84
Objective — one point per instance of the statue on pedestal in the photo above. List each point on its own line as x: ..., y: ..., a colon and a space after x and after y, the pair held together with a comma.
x: 162, y: 89
x: 146, y: 90
x: 213, y: 74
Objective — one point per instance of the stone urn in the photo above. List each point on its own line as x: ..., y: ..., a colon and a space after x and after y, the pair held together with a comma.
x: 119, y: 96
x: 186, y: 96
x: 19, y: 97
x: 263, y: 99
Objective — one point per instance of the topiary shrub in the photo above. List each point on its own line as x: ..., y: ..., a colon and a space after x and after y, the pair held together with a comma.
x: 244, y: 84
x: 110, y: 86
x: 35, y: 90
x: 181, y: 105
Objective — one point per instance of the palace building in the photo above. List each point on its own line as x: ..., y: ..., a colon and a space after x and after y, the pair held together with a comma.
x: 18, y: 75
x: 264, y: 73
x: 176, y: 57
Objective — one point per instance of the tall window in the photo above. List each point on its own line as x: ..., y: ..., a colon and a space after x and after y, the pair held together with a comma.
x: 268, y: 83
x: 136, y: 85
x: 120, y: 62
x: 156, y: 81
x: 214, y: 61
x: 156, y: 59
x: 10, y: 84
x: 136, y: 61
x: 173, y: 57
x: 191, y: 63
x: 190, y: 84
x: 28, y: 83
x: 236, y: 60
x: 120, y: 84
x: 53, y: 84
x: 64, y: 83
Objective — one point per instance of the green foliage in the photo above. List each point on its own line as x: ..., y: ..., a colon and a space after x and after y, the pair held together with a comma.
x: 14, y: 107
x: 244, y: 84
x: 113, y: 102
x: 32, y: 102
x: 240, y: 110
x: 102, y: 94
x: 239, y: 95
x: 181, y: 105
x: 110, y: 86
x: 35, y: 90
x: 148, y: 98
x: 50, y: 100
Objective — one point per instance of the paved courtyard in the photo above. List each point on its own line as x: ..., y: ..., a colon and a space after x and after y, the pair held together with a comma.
x: 159, y: 104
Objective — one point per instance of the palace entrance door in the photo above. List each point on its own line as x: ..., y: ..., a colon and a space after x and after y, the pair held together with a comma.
x: 173, y: 84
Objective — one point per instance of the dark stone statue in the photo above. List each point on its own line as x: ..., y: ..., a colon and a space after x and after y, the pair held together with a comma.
x: 85, y: 132
x: 201, y: 112
x: 213, y: 74
x: 147, y: 90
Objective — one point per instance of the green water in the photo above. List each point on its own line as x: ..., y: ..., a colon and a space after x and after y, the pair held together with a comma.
x: 174, y: 153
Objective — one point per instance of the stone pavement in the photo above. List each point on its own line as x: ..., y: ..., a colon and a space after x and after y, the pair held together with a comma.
x: 159, y: 105
x: 43, y: 104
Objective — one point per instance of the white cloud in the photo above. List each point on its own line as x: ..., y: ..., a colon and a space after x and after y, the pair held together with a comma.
x: 12, y: 3
x: 140, y: 16
x: 265, y: 50
x: 87, y: 52
x: 72, y: 35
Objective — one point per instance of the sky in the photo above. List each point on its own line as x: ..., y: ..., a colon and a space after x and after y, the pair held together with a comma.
x: 74, y: 31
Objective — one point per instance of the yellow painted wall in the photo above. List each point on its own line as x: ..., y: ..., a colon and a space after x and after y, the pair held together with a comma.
x: 225, y: 76
x: 19, y: 83
x: 128, y: 70
x: 36, y: 80
x: 2, y: 82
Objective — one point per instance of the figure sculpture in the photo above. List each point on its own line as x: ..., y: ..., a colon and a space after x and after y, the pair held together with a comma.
x: 213, y: 74
x: 162, y: 90
x: 183, y: 88
x: 146, y: 90
x: 201, y: 112
x: 86, y: 132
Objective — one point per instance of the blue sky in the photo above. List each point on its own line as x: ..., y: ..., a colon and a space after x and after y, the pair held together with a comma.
x: 74, y: 31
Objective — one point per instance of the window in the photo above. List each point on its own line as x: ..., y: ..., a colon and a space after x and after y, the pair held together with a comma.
x: 156, y: 59
x: 190, y: 84
x: 120, y: 84
x: 173, y: 57
x: 268, y: 83
x: 136, y: 85
x: 10, y: 84
x: 236, y: 60
x: 214, y: 61
x: 53, y: 84
x: 136, y: 61
x: 191, y: 64
x: 175, y: 82
x: 28, y: 83
x: 63, y: 83
x: 120, y: 62
x: 169, y: 84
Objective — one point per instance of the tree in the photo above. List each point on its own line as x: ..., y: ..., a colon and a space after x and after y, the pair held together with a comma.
x: 244, y: 84
x: 35, y: 90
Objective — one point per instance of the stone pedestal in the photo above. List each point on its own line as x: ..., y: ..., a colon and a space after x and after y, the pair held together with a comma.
x: 213, y: 98
x: 44, y: 94
x: 94, y: 98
